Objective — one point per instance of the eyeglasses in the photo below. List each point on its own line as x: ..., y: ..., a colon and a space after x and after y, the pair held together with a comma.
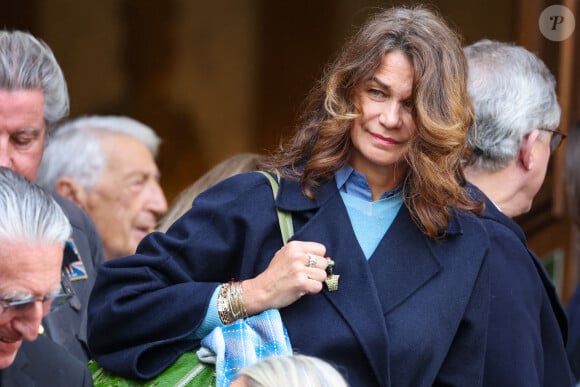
x: 50, y: 302
x: 557, y: 138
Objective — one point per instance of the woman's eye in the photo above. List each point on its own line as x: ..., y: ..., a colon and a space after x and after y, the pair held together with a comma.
x: 376, y: 93
x: 408, y: 104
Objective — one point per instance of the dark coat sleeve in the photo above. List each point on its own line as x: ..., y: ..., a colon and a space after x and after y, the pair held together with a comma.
x: 154, y: 300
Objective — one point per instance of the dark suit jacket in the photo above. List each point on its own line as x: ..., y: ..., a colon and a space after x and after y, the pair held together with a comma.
x: 67, y: 326
x: 528, y: 326
x: 415, y: 314
x: 573, y: 310
x: 42, y: 363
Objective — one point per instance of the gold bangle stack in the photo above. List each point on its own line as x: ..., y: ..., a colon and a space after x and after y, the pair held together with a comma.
x: 230, y: 303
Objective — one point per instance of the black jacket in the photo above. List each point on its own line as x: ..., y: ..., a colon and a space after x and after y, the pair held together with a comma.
x: 43, y: 363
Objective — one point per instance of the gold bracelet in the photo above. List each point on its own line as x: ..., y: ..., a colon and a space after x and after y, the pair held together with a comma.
x: 223, y: 304
x: 231, y: 306
x: 238, y: 306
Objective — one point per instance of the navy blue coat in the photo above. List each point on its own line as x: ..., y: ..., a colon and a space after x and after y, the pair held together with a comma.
x: 528, y: 326
x: 415, y: 314
x: 573, y: 310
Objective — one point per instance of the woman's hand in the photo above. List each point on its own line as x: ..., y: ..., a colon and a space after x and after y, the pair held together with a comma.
x: 296, y: 269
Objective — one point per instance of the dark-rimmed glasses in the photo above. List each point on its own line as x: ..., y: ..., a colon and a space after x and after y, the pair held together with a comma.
x: 50, y: 302
x: 557, y: 138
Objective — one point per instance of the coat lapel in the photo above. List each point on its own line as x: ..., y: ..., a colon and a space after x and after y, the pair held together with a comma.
x: 356, y: 282
x: 399, y: 264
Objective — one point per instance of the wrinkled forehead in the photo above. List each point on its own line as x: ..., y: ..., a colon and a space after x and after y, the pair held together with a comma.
x: 20, y: 109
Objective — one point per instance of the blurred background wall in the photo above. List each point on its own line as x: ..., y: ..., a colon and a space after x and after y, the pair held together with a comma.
x: 214, y: 78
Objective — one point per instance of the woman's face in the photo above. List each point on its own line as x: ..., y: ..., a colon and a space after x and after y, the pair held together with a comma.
x: 381, y: 134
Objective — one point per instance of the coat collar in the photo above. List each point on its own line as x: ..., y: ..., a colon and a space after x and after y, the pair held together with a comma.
x: 291, y: 198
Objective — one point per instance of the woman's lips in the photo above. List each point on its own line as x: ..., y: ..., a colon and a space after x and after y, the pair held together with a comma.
x: 384, y: 140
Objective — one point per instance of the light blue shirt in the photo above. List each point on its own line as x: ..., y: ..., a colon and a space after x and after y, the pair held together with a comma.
x: 370, y: 219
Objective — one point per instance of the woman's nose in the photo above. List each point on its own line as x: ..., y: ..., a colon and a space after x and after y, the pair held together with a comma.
x: 391, y: 117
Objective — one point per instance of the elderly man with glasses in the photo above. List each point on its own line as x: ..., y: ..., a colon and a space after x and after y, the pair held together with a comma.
x: 33, y: 233
x: 517, y: 115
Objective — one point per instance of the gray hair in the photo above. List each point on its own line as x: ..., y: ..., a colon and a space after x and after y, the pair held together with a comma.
x: 513, y: 93
x: 28, y: 63
x: 28, y: 213
x: 293, y: 371
x: 82, y: 137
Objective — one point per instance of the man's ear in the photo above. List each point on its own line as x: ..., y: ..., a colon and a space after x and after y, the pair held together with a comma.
x: 70, y: 189
x: 526, y: 155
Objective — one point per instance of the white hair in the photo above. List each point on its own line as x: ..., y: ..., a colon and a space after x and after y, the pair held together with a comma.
x: 75, y: 148
x: 28, y: 213
x: 292, y: 371
x: 513, y: 93
x: 28, y: 63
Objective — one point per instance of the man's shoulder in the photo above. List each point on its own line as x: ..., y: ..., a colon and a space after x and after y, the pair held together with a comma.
x: 77, y: 217
x: 85, y: 233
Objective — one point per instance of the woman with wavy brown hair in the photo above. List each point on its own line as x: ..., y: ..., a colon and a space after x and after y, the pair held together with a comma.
x: 438, y: 104
x: 386, y: 274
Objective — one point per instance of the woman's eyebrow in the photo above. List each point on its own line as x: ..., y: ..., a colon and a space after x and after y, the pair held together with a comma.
x: 381, y: 84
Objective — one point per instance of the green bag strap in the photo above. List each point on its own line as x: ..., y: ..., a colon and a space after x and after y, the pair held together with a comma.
x: 284, y: 217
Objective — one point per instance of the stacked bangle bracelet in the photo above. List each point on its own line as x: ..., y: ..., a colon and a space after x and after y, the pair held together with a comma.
x: 230, y: 303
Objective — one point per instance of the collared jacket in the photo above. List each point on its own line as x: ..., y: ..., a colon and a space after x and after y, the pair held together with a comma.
x: 83, y: 254
x: 528, y: 326
x: 414, y: 314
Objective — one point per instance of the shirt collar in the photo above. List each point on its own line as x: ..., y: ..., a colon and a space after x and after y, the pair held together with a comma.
x: 355, y: 183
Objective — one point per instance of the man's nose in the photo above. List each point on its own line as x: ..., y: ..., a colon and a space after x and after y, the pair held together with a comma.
x: 5, y: 156
x: 27, y: 323
x: 157, y: 202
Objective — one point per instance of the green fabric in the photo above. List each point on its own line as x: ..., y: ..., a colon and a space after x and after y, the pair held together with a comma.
x: 186, y: 371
